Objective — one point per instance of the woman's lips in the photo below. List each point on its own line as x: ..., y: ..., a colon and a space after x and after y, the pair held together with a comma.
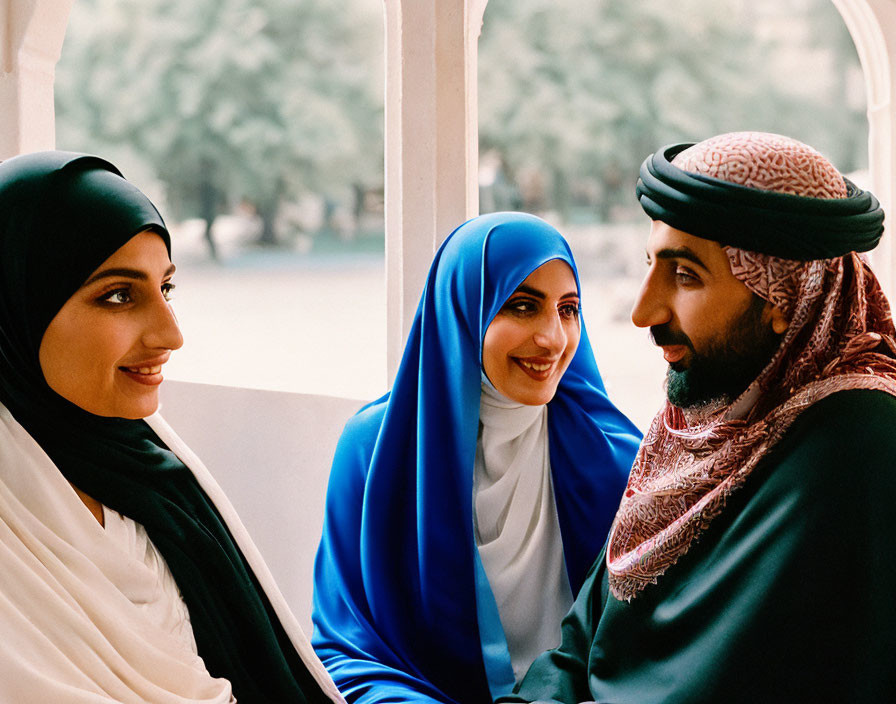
x: 538, y: 369
x: 674, y: 353
x: 150, y: 376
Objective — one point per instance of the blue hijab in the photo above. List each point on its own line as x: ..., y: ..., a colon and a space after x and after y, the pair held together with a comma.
x: 395, y: 599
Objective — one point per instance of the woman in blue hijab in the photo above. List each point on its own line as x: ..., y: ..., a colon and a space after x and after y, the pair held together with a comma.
x: 466, y: 506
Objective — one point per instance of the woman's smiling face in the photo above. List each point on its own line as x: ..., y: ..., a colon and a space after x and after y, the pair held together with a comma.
x: 533, y: 338
x: 105, y: 348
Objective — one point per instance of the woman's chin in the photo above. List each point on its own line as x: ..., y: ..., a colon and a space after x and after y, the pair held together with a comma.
x: 127, y: 408
x: 140, y: 410
x: 530, y: 394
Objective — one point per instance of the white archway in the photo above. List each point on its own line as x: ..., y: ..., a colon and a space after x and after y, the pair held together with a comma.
x: 431, y: 120
x: 31, y: 32
x: 872, y: 25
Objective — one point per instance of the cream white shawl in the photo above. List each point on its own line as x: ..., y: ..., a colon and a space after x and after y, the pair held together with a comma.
x: 72, y: 600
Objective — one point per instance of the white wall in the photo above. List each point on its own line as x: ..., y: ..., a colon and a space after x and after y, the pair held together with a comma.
x: 271, y: 452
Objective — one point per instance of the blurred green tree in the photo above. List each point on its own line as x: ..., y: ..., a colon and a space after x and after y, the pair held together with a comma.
x: 579, y: 93
x: 263, y: 99
x: 229, y: 100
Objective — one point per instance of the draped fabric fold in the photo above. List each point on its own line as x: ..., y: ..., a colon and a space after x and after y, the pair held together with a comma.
x: 61, y: 216
x: 74, y: 604
x: 779, y: 224
x: 395, y: 602
x: 72, y: 599
x: 517, y: 532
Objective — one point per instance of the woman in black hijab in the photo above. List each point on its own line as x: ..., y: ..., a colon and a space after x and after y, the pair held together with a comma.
x: 125, y: 574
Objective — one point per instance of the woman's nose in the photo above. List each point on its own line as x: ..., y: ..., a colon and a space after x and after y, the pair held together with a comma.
x: 162, y: 330
x: 550, y: 334
x: 651, y: 307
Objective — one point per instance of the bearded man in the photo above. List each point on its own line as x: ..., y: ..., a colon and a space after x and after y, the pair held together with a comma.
x: 752, y: 556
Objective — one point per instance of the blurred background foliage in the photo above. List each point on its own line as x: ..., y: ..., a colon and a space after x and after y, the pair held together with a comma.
x: 261, y: 122
x: 258, y: 103
x: 573, y: 95
x: 228, y: 101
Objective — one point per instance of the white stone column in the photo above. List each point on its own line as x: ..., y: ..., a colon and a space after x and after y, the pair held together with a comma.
x: 432, y: 144
x: 31, y: 35
x: 872, y: 24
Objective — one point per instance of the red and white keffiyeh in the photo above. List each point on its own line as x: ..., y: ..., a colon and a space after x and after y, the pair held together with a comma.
x: 841, y: 336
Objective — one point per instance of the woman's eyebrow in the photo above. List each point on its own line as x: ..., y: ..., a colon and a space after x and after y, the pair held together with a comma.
x: 125, y: 273
x: 522, y: 288
x: 534, y: 292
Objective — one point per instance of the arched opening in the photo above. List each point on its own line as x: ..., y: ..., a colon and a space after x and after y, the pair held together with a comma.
x: 871, y: 24
x: 257, y: 128
x: 573, y: 98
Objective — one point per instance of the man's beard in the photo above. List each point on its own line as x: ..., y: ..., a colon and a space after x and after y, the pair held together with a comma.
x: 730, y: 363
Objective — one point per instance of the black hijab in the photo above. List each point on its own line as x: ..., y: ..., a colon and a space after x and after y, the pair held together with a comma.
x: 61, y: 216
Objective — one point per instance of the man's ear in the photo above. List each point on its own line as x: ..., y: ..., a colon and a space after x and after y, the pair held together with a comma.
x: 779, y: 322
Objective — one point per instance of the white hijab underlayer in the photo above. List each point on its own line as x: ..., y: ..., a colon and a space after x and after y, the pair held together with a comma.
x: 516, y: 525
x: 88, y: 614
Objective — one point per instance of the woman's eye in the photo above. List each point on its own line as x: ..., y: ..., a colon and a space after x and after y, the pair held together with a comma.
x: 168, y: 290
x: 520, y: 306
x: 118, y: 297
x: 569, y: 310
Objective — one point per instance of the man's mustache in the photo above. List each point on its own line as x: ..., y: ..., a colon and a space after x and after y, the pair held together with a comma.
x: 663, y: 335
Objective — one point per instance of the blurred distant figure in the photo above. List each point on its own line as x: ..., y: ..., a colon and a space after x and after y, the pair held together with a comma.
x: 496, y: 191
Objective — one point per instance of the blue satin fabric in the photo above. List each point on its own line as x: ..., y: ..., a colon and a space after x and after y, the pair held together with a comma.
x: 395, y: 599
x: 493, y: 641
